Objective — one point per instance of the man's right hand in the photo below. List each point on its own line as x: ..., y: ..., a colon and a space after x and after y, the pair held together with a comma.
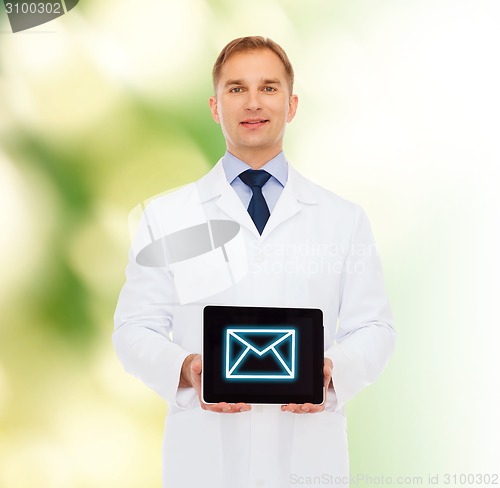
x: 191, y: 377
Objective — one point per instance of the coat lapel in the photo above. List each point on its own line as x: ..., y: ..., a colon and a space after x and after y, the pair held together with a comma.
x: 297, y: 193
x: 214, y: 185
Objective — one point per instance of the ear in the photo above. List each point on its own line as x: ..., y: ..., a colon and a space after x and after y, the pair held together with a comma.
x: 213, y: 108
x: 292, y: 107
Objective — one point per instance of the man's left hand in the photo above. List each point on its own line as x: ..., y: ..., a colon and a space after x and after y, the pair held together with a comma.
x: 311, y: 407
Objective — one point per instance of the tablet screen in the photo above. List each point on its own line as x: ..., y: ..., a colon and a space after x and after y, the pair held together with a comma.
x: 262, y: 355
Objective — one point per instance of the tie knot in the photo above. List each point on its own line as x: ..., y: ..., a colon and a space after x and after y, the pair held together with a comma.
x: 255, y: 177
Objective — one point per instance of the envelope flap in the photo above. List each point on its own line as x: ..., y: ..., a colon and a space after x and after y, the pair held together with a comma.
x: 261, y: 340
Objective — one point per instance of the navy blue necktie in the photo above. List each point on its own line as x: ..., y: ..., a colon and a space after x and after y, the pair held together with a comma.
x: 258, y: 209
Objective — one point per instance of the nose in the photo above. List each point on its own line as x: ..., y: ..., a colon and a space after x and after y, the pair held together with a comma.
x: 252, y: 101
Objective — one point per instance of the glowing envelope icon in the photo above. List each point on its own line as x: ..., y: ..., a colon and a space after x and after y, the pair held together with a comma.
x: 25, y: 14
x: 260, y: 353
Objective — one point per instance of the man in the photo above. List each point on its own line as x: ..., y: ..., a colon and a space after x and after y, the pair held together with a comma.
x: 306, y: 247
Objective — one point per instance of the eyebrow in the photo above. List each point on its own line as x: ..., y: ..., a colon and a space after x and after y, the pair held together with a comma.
x: 273, y: 81
x: 270, y: 81
x: 233, y: 82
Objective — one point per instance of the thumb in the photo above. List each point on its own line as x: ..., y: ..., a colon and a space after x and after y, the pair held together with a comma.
x: 327, y: 371
x: 196, y: 365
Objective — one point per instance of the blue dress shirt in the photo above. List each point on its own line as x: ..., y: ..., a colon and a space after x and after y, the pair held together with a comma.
x: 277, y: 168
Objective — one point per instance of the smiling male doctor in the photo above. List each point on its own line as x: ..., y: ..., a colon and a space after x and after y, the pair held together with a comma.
x: 306, y: 247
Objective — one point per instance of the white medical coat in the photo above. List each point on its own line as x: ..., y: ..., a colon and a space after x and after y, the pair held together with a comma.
x: 317, y: 251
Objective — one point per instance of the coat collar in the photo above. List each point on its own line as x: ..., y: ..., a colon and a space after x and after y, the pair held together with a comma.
x: 297, y: 193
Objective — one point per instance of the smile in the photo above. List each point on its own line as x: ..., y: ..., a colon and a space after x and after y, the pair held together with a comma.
x: 254, y: 124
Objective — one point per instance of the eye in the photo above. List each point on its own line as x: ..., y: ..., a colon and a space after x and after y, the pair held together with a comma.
x: 269, y: 89
x: 236, y: 89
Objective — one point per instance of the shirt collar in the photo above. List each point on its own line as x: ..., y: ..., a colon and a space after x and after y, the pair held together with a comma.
x: 276, y: 167
x: 215, y: 184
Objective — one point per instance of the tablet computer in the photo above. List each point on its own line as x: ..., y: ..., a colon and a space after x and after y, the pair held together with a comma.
x: 262, y: 355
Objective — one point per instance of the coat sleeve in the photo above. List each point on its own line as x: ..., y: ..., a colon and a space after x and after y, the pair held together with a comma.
x: 365, y: 337
x: 142, y: 334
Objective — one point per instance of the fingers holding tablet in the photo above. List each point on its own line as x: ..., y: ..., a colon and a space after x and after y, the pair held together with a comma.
x: 193, y: 364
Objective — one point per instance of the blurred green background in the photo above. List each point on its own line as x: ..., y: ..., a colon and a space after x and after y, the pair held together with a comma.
x: 107, y: 105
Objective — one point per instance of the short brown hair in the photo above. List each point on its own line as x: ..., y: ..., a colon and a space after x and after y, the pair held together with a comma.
x: 252, y: 43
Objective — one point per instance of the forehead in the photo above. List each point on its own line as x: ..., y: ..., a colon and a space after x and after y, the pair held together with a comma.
x: 251, y: 66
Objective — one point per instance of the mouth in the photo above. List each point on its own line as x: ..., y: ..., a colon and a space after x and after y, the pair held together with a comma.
x: 254, y: 123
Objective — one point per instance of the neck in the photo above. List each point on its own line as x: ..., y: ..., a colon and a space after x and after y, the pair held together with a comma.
x: 256, y: 159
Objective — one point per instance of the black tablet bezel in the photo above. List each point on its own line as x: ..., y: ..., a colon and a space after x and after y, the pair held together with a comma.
x: 308, y: 388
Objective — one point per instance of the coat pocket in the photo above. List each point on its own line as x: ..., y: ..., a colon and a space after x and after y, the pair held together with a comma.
x: 192, y: 453
x: 320, y: 452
